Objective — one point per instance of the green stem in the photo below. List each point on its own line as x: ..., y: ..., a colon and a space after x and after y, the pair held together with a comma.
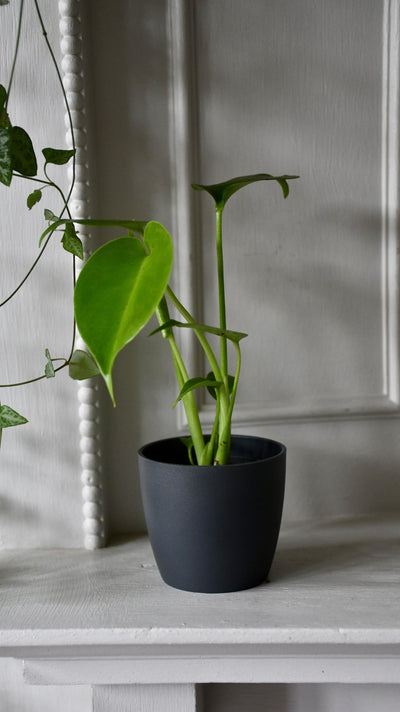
x: 199, y: 334
x: 217, y: 370
x: 13, y: 293
x: 221, y: 295
x: 21, y: 11
x: 223, y: 452
x: 189, y: 402
x: 236, y: 379
x: 38, y: 378
x: 64, y: 93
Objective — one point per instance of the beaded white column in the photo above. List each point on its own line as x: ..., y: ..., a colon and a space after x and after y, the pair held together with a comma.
x: 72, y: 67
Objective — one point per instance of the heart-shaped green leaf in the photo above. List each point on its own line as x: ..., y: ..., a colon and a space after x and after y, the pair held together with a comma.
x: 221, y: 192
x: 23, y: 155
x: 58, y: 156
x: 82, y: 365
x: 118, y: 290
x: 49, y: 215
x: 10, y: 417
x: 33, y: 198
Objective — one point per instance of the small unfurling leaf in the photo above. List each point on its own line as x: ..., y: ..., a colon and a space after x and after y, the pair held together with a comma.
x: 49, y: 368
x: 196, y: 382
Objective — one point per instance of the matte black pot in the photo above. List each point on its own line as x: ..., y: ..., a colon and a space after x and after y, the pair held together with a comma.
x: 213, y: 529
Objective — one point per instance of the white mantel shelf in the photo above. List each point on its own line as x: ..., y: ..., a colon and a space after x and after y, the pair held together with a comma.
x: 331, y: 613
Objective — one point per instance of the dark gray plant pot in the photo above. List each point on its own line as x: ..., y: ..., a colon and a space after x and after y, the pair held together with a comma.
x: 213, y: 529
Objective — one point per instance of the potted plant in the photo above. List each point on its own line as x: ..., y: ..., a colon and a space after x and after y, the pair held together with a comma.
x: 213, y: 501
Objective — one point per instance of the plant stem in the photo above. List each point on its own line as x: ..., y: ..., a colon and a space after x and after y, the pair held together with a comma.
x: 189, y: 402
x: 71, y: 125
x: 200, y: 335
x: 221, y: 295
x: 21, y: 11
x: 13, y: 293
x: 222, y: 416
x: 38, y: 378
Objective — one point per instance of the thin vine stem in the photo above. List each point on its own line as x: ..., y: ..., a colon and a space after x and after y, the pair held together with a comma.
x: 38, y: 378
x: 45, y: 183
x: 16, y: 50
x: 10, y: 296
x: 64, y: 93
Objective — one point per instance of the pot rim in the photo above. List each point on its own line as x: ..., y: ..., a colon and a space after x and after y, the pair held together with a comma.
x: 280, y: 453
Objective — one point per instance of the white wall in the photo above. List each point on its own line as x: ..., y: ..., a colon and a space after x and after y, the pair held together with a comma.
x: 40, y: 491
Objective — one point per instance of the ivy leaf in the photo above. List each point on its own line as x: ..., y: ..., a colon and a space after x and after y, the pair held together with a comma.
x: 33, y: 198
x: 49, y: 368
x: 117, y: 291
x: 4, y: 2
x: 10, y: 417
x: 211, y: 390
x: 196, y: 382
x: 82, y: 365
x: 221, y: 192
x: 71, y: 242
x: 23, y: 155
x: 234, y: 336
x: 5, y: 155
x: 58, y: 156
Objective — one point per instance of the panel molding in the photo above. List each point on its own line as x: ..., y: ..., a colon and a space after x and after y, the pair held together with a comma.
x: 88, y: 398
x: 184, y: 150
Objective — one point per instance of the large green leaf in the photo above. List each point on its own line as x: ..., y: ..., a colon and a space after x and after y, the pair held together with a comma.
x: 118, y: 290
x: 221, y: 192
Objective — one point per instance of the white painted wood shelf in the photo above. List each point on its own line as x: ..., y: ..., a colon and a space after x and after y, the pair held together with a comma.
x: 331, y: 613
